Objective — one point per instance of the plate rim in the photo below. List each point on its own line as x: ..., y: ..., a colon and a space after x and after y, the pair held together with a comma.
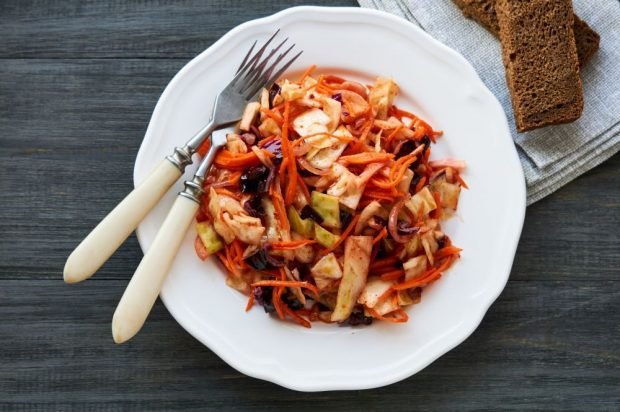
x: 307, y: 13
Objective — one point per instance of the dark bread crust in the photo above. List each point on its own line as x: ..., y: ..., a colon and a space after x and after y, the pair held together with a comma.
x: 540, y: 58
x: 587, y: 41
x: 483, y: 12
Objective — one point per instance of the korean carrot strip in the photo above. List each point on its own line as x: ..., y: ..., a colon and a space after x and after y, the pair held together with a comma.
x: 228, y: 160
x: 304, y: 188
x: 266, y: 140
x: 391, y: 136
x: 307, y: 73
x: 291, y: 245
x: 380, y: 235
x: 222, y: 257
x: 278, y: 204
x: 365, y: 158
x: 460, y: 180
x: 420, y: 184
x: 447, y: 251
x: 296, y: 318
x: 393, y: 274
x: 277, y: 302
x: 291, y: 187
x: 379, y: 194
x: 287, y: 284
x: 283, y: 167
x: 400, y: 315
x: 427, y: 277
x: 204, y: 148
x: 342, y: 237
x: 381, y: 183
x: 273, y: 115
x: 250, y: 302
x: 384, y: 262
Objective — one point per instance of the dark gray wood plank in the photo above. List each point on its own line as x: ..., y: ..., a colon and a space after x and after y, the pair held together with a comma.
x: 78, y: 80
x: 543, y: 345
x: 156, y: 29
x: 71, y: 130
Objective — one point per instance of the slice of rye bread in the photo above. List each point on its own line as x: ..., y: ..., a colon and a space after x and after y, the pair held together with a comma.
x: 483, y: 12
x: 540, y: 58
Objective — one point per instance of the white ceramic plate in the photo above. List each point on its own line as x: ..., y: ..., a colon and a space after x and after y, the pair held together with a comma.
x: 444, y: 89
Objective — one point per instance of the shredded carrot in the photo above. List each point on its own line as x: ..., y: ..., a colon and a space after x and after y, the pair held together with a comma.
x: 343, y: 236
x: 379, y: 194
x: 250, y: 302
x: 384, y: 262
x: 380, y: 235
x: 291, y: 245
x: 278, y: 204
x: 204, y: 148
x: 238, y: 249
x: 283, y: 167
x: 266, y: 140
x: 420, y: 184
x: 392, y: 275
x: 392, y: 135
x: 222, y: 257
x: 303, y: 187
x: 229, y: 261
x: 429, y: 276
x: 447, y: 251
x: 400, y: 315
x: 307, y: 73
x: 365, y: 158
x: 226, y: 192
x: 298, y: 319
x: 381, y: 183
x: 273, y: 115
x: 277, y: 302
x: 287, y: 150
x: 228, y: 160
x: 461, y: 181
x: 287, y: 284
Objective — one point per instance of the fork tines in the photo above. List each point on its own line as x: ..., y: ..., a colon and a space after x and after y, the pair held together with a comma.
x: 256, y: 71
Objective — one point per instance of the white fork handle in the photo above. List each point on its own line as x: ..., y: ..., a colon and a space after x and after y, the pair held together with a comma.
x: 144, y: 287
x: 116, y: 227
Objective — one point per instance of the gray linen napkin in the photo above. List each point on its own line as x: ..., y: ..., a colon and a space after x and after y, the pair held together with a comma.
x: 554, y: 155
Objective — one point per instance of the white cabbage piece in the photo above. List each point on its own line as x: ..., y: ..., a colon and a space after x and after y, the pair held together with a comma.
x: 448, y: 193
x: 375, y: 287
x: 324, y: 158
x: 382, y: 96
x: 311, y: 122
x: 333, y: 109
x: 421, y: 203
x: 291, y: 91
x: 234, y: 144
x: 231, y: 221
x: 269, y: 127
x: 415, y: 266
x: 326, y: 270
x: 249, y: 115
x: 357, y: 251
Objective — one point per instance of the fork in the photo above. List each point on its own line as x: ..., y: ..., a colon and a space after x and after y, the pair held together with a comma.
x: 144, y: 286
x: 254, y: 73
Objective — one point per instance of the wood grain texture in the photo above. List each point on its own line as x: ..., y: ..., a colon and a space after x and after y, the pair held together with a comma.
x: 535, y: 349
x: 78, y: 82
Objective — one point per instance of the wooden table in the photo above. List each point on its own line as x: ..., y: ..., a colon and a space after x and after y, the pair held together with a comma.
x: 78, y: 82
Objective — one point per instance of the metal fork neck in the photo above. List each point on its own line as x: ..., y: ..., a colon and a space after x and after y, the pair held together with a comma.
x: 182, y: 156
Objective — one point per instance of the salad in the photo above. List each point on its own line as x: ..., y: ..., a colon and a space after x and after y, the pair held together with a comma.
x: 326, y: 204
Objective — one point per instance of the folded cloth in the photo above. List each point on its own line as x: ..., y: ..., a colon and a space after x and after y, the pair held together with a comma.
x: 551, y: 156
